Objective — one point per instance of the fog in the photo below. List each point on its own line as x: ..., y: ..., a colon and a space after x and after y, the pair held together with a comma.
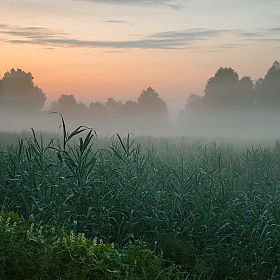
x: 231, y: 108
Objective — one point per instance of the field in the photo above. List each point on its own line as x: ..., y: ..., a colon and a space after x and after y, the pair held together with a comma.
x: 189, y: 209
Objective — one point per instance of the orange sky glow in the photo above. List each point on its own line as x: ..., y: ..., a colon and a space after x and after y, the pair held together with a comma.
x: 116, y: 48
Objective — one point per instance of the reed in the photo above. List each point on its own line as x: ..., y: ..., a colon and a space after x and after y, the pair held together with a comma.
x: 212, y: 209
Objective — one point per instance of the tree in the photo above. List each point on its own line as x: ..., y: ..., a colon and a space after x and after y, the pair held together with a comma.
x: 226, y: 92
x: 268, y: 89
x: 150, y: 104
x: 18, y: 92
x: 131, y: 109
x: 64, y: 102
x: 193, y: 104
x: 112, y: 104
x: 245, y: 96
x: 221, y: 88
x: 113, y: 109
x: 97, y: 108
x: 68, y: 105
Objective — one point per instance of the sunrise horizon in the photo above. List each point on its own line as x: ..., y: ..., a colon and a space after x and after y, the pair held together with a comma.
x: 101, y: 49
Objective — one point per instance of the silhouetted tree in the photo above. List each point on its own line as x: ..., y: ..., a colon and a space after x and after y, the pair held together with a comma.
x: 131, y: 109
x: 245, y: 97
x: 112, y: 104
x: 18, y: 92
x: 65, y: 103
x: 268, y: 89
x: 97, y: 108
x: 68, y: 105
x: 113, y: 109
x: 150, y: 104
x: 193, y: 104
x: 226, y: 97
x: 220, y: 90
x: 97, y: 112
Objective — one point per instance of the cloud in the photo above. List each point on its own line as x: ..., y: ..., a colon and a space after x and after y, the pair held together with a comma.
x: 176, y: 7
x: 29, y: 33
x: 169, y: 3
x: 189, y: 34
x: 47, y: 37
x: 268, y: 34
x: 133, y: 2
x: 228, y: 46
x: 116, y: 21
x: 161, y: 40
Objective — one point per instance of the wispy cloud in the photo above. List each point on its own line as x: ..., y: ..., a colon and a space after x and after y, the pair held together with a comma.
x: 133, y: 2
x: 188, y: 34
x: 176, y: 7
x: 268, y: 34
x: 47, y: 37
x: 263, y: 32
x: 117, y: 21
x: 162, y: 40
x: 31, y: 34
x: 227, y: 46
x: 169, y: 3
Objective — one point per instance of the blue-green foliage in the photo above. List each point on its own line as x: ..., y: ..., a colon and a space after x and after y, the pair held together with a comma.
x: 212, y: 209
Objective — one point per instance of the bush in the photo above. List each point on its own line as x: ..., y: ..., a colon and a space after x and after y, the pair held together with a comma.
x: 30, y: 251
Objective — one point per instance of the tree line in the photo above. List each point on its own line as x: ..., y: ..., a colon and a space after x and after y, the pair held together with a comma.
x: 224, y: 93
x: 148, y: 106
x: 19, y: 94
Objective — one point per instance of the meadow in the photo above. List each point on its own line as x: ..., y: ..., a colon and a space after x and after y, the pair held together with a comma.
x: 154, y: 208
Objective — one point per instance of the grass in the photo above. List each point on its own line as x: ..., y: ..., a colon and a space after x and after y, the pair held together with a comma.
x: 206, y: 211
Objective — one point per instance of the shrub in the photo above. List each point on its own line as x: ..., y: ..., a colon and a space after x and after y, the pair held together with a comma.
x: 30, y: 251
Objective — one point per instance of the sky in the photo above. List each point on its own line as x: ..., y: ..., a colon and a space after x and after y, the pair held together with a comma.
x: 96, y: 49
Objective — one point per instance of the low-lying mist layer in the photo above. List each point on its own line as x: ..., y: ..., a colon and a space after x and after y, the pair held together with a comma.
x: 230, y: 107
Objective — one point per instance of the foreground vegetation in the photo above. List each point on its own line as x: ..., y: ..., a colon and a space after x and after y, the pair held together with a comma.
x: 32, y: 252
x: 205, y: 211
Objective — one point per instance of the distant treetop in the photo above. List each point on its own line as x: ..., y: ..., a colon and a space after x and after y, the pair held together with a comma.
x: 19, y: 93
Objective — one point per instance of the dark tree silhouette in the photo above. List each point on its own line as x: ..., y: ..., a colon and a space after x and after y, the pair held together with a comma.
x: 18, y: 92
x: 113, y: 109
x: 220, y: 90
x: 245, y: 97
x: 97, y: 108
x: 193, y: 104
x: 65, y: 103
x: 225, y: 97
x: 268, y: 89
x: 150, y: 104
x: 68, y: 105
x: 131, y: 109
x: 112, y: 104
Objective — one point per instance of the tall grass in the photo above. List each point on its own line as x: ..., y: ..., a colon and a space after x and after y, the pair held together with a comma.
x: 211, y: 208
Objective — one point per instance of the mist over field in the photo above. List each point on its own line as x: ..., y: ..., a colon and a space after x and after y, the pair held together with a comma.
x: 231, y: 108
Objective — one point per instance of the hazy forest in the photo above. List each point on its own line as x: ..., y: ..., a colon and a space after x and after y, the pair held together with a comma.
x: 230, y: 106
